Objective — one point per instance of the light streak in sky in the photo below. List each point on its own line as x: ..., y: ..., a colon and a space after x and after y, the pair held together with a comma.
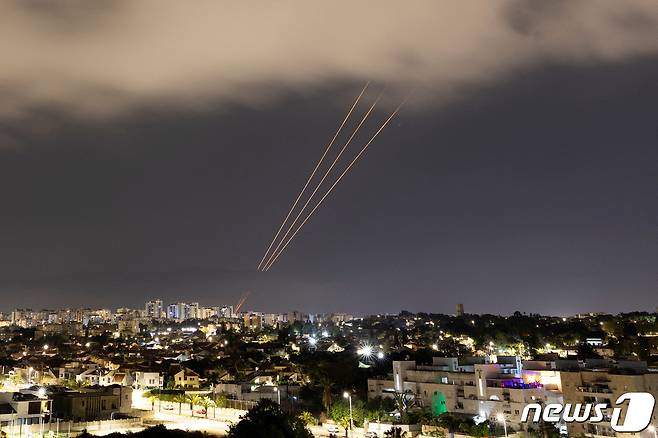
x: 324, y: 177
x: 340, y: 177
x: 308, y: 181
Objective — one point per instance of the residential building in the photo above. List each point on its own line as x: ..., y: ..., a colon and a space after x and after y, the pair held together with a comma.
x: 148, y: 380
x: 604, y: 382
x: 477, y: 388
x: 153, y: 309
x: 186, y: 378
x: 21, y: 408
x: 89, y: 404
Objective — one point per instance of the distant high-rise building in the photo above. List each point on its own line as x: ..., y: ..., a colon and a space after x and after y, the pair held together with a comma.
x: 175, y: 311
x: 153, y: 309
x: 460, y: 309
x: 253, y: 321
x: 192, y: 311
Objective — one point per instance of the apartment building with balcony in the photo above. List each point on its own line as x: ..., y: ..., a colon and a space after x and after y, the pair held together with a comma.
x: 479, y: 388
x: 604, y: 382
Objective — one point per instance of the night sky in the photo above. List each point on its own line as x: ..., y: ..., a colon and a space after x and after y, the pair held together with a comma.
x: 534, y: 189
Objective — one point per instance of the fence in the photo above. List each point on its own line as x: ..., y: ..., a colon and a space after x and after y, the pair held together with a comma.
x: 243, y: 405
x: 69, y: 428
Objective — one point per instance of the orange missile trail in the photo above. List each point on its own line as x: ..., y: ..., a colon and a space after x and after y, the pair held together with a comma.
x: 324, y: 177
x: 317, y: 166
x: 347, y: 169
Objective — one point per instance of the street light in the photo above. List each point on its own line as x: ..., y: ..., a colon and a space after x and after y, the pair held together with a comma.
x: 348, y: 396
x: 501, y: 418
x: 278, y: 394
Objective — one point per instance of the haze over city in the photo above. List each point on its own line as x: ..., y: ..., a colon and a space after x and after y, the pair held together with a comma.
x: 520, y: 174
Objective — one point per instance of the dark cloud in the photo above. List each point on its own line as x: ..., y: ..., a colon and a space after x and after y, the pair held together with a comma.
x: 101, y: 59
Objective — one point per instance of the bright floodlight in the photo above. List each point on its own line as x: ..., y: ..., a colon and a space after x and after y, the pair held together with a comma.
x: 365, y: 351
x: 312, y: 341
x: 380, y: 355
x: 325, y: 334
x: 346, y: 394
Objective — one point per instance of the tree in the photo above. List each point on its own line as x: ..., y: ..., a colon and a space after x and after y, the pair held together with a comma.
x: 340, y: 413
x: 308, y: 418
x: 193, y: 400
x: 180, y: 399
x: 449, y: 422
x: 267, y: 420
x: 404, y: 401
x: 220, y: 399
x: 17, y: 379
x: 153, y: 432
x: 206, y: 402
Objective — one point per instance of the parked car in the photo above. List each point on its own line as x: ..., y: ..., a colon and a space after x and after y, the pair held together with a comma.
x: 331, y: 428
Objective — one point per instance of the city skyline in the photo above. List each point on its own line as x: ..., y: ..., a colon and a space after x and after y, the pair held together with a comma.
x: 522, y: 181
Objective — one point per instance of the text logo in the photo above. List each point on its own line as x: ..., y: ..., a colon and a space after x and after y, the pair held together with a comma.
x: 637, y: 418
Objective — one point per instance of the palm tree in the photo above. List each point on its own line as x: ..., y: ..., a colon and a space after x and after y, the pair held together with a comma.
x: 209, y: 403
x: 153, y: 398
x: 327, y: 386
x: 308, y: 418
x: 404, y: 401
x: 194, y: 399
x: 205, y: 402
x: 180, y: 399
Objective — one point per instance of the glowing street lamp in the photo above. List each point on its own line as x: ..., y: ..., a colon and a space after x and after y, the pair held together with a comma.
x: 278, y: 394
x: 348, y: 396
x: 365, y: 351
x: 501, y: 418
x: 380, y: 355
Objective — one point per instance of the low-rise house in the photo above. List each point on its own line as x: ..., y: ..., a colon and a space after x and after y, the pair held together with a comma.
x: 148, y: 380
x: 94, y: 403
x: 89, y: 377
x: 22, y: 408
x: 186, y: 378
x: 116, y: 377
